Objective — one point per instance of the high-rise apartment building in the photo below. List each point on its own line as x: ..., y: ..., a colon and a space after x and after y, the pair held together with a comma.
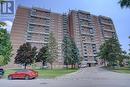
x: 89, y: 32
x: 33, y: 25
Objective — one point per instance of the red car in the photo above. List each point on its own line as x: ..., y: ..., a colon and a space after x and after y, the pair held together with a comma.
x: 23, y: 74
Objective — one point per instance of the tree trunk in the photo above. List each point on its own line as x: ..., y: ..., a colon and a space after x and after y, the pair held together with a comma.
x: 51, y: 66
x: 105, y: 63
x: 74, y: 66
x: 25, y: 66
x: 67, y: 66
x: 43, y: 63
x: 71, y: 66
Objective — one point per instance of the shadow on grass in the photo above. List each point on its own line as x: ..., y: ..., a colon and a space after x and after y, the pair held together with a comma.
x: 125, y: 70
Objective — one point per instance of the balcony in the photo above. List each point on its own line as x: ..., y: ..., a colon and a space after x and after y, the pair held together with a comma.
x: 84, y: 18
x: 106, y: 23
x: 38, y: 16
x: 37, y: 32
x: 106, y: 36
x: 39, y: 24
x: 109, y: 30
x: 89, y: 42
x: 32, y: 41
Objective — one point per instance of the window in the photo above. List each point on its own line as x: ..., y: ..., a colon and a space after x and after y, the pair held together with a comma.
x: 92, y: 38
x: 32, y: 19
x: 46, y: 39
x: 46, y: 29
x: 113, y: 34
x: 84, y: 46
x: 94, y: 48
x: 33, y: 12
x: 29, y: 36
x: 46, y: 21
x: 85, y: 49
x: 31, y: 27
x: 93, y: 45
x: 88, y: 16
x: 85, y: 53
x: 95, y: 58
x: 85, y: 59
x: 47, y: 14
x: 83, y: 37
x: 91, y: 30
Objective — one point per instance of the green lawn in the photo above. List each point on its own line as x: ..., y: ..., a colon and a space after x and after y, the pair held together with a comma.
x: 122, y: 70
x: 45, y: 73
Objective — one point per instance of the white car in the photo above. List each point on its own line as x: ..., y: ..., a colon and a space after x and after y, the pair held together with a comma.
x: 83, y: 66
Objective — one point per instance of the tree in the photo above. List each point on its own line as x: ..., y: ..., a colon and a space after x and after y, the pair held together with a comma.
x: 25, y: 54
x: 2, y: 24
x: 5, y: 46
x: 66, y: 49
x: 42, y: 56
x: 1, y: 60
x: 75, y: 54
x: 110, y: 51
x: 1, y: 0
x: 70, y: 52
x: 52, y: 49
x: 124, y: 3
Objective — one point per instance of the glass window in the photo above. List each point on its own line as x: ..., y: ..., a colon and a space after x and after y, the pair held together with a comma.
x: 85, y: 53
x: 47, y: 21
x: 31, y: 27
x: 92, y: 38
x: 32, y: 19
x: 91, y: 31
x: 85, y: 59
x: 46, y: 29
x: 33, y: 12
x: 29, y: 36
x: 85, y: 49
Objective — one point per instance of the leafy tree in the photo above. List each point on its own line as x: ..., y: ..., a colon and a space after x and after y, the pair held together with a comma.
x: 42, y: 56
x: 25, y: 54
x: 52, y: 49
x: 1, y: 0
x: 2, y: 24
x: 1, y: 60
x: 124, y: 3
x: 110, y: 51
x: 5, y: 45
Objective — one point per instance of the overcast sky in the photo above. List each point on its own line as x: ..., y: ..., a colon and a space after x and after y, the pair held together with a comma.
x: 110, y: 8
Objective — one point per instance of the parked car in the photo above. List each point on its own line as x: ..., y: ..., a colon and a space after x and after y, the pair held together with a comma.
x: 83, y: 66
x: 1, y: 72
x: 23, y: 74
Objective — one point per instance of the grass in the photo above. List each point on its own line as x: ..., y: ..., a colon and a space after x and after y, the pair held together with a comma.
x: 45, y: 73
x: 119, y: 70
x: 122, y: 70
x: 54, y: 73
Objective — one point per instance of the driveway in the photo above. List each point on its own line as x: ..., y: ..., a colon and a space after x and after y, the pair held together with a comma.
x: 87, y: 77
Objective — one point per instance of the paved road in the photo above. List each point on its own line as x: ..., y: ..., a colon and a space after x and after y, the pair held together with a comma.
x: 88, y: 77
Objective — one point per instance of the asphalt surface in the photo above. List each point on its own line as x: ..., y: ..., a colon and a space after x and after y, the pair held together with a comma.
x: 87, y: 77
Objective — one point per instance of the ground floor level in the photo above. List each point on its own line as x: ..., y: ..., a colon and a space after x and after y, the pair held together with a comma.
x: 85, y: 77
